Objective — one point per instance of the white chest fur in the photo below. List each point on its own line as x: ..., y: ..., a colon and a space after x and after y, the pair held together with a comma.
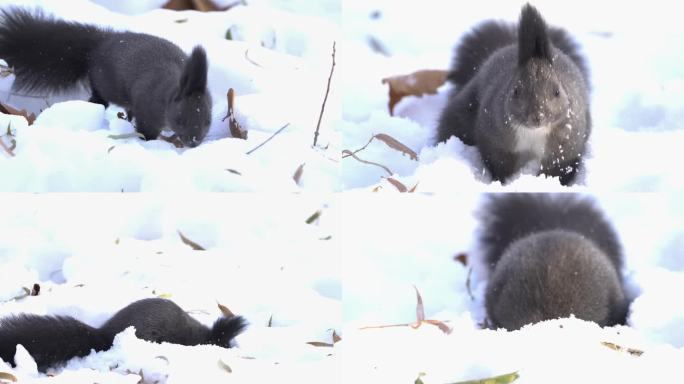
x: 531, y: 140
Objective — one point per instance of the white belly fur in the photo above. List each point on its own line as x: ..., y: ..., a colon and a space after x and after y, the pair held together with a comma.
x: 531, y: 140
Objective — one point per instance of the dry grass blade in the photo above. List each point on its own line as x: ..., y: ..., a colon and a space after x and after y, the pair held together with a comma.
x: 417, y: 83
x: 319, y: 344
x: 269, y: 139
x: 470, y: 292
x: 615, y: 347
x: 234, y: 126
x: 222, y: 364
x: 127, y: 136
x: 325, y: 99
x: 398, y: 185
x: 420, y: 309
x: 396, y: 145
x: 298, y: 173
x: 225, y: 311
x: 191, y: 243
x: 503, y: 379
x: 349, y: 153
x: 441, y: 325
x: 413, y: 189
x: 270, y: 321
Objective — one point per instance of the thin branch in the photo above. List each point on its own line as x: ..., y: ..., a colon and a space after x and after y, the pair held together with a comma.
x: 327, y: 90
x: 269, y: 139
x: 358, y: 150
x: 367, y: 162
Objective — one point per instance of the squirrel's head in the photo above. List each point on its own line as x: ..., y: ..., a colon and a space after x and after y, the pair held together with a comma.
x: 536, y: 96
x: 189, y: 113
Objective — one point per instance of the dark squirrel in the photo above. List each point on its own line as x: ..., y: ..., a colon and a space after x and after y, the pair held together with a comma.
x: 521, y: 97
x: 152, y: 78
x: 53, y: 340
x: 550, y: 256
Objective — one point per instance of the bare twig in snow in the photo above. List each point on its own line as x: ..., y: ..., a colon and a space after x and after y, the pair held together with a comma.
x: 327, y: 90
x: 269, y: 139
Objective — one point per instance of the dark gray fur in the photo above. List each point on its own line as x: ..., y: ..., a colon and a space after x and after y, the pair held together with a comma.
x: 152, y: 78
x: 550, y: 256
x: 53, y: 340
x: 509, y: 79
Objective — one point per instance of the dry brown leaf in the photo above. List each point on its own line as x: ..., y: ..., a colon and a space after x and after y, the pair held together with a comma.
x: 191, y: 243
x: 398, y: 185
x: 314, y: 216
x: 9, y: 110
x: 222, y: 364
x: 417, y: 83
x: 5, y: 376
x: 462, y: 258
x: 377, y: 188
x: 234, y: 126
x: 413, y: 189
x: 226, y: 312
x: 396, y: 145
x: 173, y: 139
x: 349, y: 153
x: 336, y: 338
x: 298, y: 173
x: 441, y: 325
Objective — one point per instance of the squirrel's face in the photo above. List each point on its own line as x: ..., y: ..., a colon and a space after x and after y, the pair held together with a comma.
x: 536, y: 97
x: 190, y: 117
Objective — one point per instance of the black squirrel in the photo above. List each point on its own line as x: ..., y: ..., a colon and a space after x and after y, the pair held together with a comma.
x: 53, y: 340
x: 550, y: 256
x: 521, y: 97
x: 152, y: 78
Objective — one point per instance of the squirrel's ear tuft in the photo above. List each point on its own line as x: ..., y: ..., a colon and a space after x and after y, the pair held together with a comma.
x: 194, y: 77
x: 533, y: 38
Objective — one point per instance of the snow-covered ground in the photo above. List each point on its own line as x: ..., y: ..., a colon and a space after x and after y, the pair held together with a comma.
x: 637, y: 97
x: 93, y: 255
x: 278, y: 62
x: 394, y: 244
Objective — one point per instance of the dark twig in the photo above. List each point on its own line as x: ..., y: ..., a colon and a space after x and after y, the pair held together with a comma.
x: 327, y: 90
x: 269, y: 139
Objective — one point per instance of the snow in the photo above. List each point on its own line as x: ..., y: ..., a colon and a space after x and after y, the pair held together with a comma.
x: 636, y: 94
x: 92, y: 256
x: 278, y: 63
x: 394, y: 244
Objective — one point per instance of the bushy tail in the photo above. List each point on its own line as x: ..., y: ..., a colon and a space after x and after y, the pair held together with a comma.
x: 47, y: 54
x: 510, y: 216
x: 225, y: 329
x: 51, y: 340
x: 477, y: 46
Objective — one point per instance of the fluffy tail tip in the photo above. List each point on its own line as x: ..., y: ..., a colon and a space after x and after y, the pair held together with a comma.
x: 225, y: 329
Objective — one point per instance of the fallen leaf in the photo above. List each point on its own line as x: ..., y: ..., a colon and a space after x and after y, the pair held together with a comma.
x: 462, y: 258
x: 8, y: 376
x: 420, y: 310
x: 313, y: 217
x: 298, y: 173
x: 9, y: 110
x: 417, y: 83
x: 191, y: 243
x: 397, y: 145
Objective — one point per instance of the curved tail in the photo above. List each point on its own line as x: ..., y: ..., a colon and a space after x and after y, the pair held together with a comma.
x: 47, y: 54
x: 511, y: 216
x: 50, y: 340
x: 225, y: 329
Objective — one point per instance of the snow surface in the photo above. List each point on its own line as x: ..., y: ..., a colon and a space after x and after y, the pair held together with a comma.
x: 394, y: 244
x: 278, y: 62
x: 637, y: 97
x: 93, y: 256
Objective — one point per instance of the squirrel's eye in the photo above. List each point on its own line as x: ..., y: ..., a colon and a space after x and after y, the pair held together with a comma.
x: 556, y: 92
x: 516, y: 91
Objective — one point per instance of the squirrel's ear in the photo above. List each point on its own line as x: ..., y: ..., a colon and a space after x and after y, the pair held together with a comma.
x: 194, y: 77
x: 533, y: 38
